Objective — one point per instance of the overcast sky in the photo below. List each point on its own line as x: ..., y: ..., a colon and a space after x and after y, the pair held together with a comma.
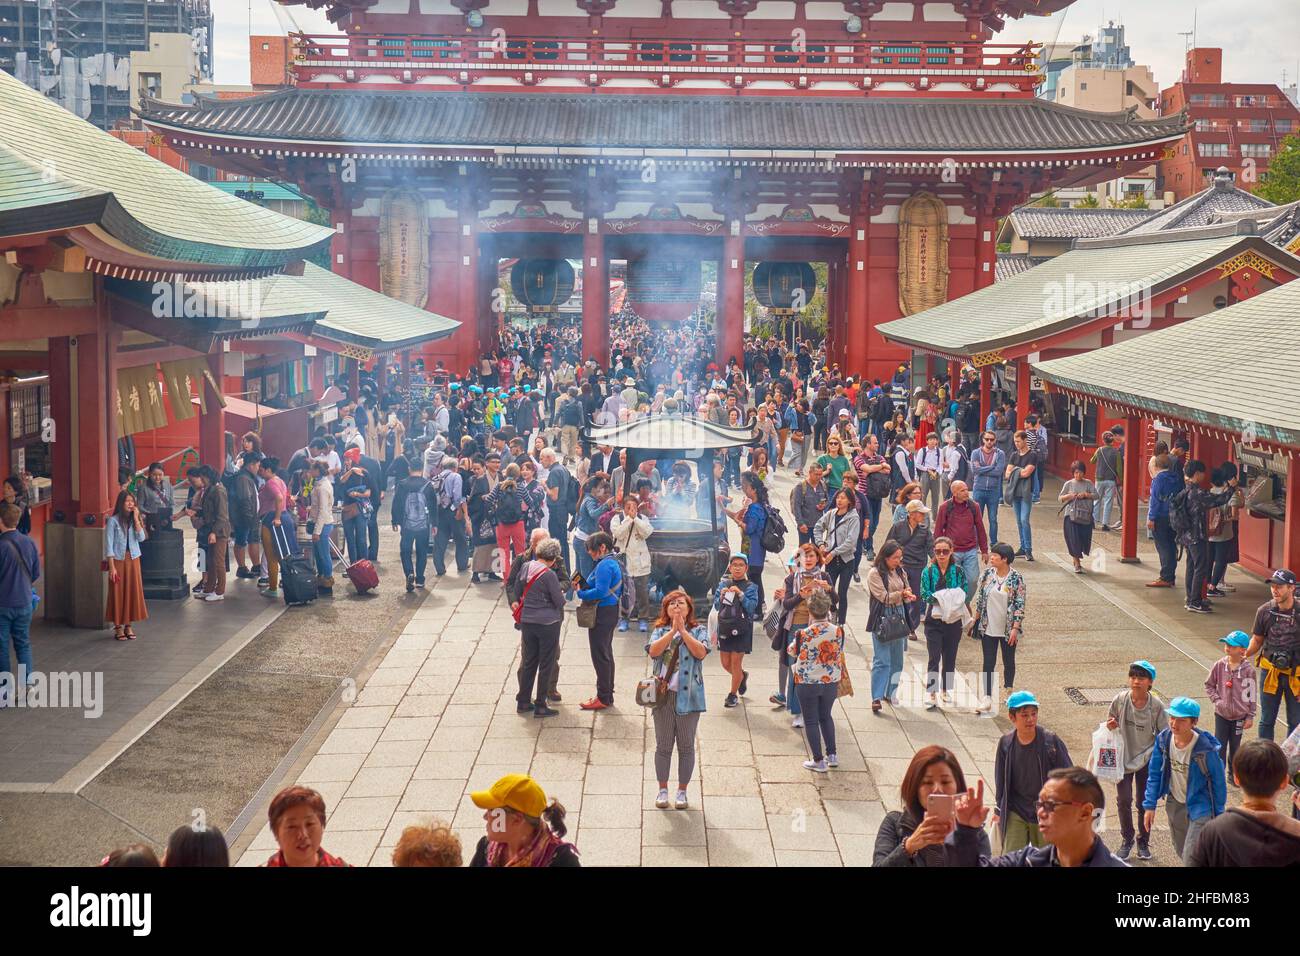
x: 1258, y: 36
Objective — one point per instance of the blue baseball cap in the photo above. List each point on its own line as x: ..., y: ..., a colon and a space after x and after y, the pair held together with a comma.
x: 738, y: 555
x: 1236, y: 639
x: 1146, y: 666
x: 1021, y: 698
x: 528, y: 388
x: 1183, y: 707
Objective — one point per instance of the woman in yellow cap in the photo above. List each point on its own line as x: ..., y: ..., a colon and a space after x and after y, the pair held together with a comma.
x: 522, y: 829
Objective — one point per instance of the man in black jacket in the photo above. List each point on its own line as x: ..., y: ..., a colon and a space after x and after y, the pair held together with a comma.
x: 1067, y: 805
x: 1194, y: 538
x: 247, y: 532
x: 414, y: 523
x: 374, y: 477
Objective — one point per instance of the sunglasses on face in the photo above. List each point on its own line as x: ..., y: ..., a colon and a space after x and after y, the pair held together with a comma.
x: 942, y: 551
x: 1050, y: 806
x: 989, y: 441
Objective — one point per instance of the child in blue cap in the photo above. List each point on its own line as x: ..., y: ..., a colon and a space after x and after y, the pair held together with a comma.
x: 1233, y: 689
x: 1137, y: 716
x: 1187, y: 771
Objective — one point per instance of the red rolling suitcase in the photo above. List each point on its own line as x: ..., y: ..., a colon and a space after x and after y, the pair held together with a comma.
x: 361, y: 573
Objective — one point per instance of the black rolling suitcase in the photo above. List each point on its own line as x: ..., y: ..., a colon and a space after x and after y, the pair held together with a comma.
x: 297, y: 576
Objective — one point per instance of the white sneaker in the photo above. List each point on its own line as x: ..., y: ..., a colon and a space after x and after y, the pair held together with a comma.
x: 816, y: 766
x: 680, y: 802
x: 797, y: 723
x: 661, y: 800
x: 946, y: 697
x: 931, y: 702
x: 214, y: 596
x: 832, y: 760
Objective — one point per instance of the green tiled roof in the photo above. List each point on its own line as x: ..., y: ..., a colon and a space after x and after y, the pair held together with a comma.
x: 1236, y: 370
x: 343, y: 311
x: 269, y: 190
x: 1072, y: 288
x: 58, y: 171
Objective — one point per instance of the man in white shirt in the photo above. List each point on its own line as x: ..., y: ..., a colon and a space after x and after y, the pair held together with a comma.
x: 441, y: 415
x: 951, y: 457
x: 929, y: 465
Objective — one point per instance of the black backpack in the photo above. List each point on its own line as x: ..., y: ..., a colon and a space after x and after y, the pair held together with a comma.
x: 773, y: 533
x: 733, y: 621
x: 1180, y: 514
x: 963, y: 468
x: 508, y: 510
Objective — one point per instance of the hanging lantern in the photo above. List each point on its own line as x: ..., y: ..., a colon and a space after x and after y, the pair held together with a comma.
x: 663, y: 290
x: 543, y: 285
x: 786, y: 288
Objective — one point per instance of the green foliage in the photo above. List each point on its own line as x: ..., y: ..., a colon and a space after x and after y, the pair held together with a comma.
x: 1136, y: 201
x: 1282, y: 185
x: 1088, y: 202
x: 1047, y: 202
x: 315, y: 213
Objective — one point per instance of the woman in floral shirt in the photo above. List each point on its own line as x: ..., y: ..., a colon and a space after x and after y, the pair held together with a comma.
x: 999, y: 616
x: 678, y: 646
x: 818, y: 652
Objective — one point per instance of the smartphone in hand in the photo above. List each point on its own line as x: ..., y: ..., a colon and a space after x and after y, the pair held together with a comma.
x: 941, y: 806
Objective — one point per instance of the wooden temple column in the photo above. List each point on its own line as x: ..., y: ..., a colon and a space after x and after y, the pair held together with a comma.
x: 1134, y: 467
x: 857, y: 325
x: 468, y: 341
x: 61, y: 449
x: 354, y: 379
x: 212, y: 420
x: 595, y: 293
x: 316, y: 375
x: 986, y: 395
x: 1291, y: 531
x: 986, y: 246
x: 1022, y: 392
x: 834, y: 305
x: 730, y: 327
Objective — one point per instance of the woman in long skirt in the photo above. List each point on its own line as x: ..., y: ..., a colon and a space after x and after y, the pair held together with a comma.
x: 1078, y: 494
x: 125, y: 531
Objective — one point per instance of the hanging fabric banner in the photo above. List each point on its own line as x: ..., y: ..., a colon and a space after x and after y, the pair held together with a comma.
x: 139, y: 400
x: 180, y: 392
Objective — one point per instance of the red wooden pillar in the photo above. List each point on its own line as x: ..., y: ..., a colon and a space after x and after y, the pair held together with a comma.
x: 96, y: 482
x: 316, y: 375
x: 61, y: 450
x: 1291, y: 533
x: 595, y: 295
x: 986, y: 247
x: 986, y: 395
x: 469, y: 343
x: 834, y: 305
x: 212, y: 422
x: 731, y: 309
x: 1134, y: 466
x: 1022, y: 391
x: 354, y: 379
x: 857, y: 326
x: 406, y: 372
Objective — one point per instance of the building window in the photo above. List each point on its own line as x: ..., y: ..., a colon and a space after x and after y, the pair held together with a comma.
x: 1256, y: 150
x: 1284, y: 127
x: 150, y: 84
x: 1253, y: 100
x: 1083, y: 86
x: 1213, y: 149
x: 266, y: 46
x: 1253, y: 125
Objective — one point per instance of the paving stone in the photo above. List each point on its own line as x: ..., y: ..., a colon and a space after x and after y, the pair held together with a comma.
x: 611, y: 811
x: 610, y: 847
x: 734, y: 813
x: 389, y: 675
x: 355, y: 847
x: 730, y: 781
x: 740, y: 848
x: 672, y: 828
x: 564, y: 740
x: 357, y: 740
x: 808, y: 858
x: 457, y: 738
x: 557, y: 767
x: 616, y: 751
x: 380, y: 782
x: 424, y: 705
x: 800, y: 832
x: 366, y: 716
x: 328, y: 767
x: 854, y: 817
x: 432, y: 796
x: 610, y: 780
x: 674, y: 856
x: 396, y: 753
x: 444, y: 765
x: 410, y: 728
x: 361, y: 813
x: 790, y: 798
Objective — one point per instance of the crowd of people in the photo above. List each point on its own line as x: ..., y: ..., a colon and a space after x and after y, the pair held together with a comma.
x: 494, y: 470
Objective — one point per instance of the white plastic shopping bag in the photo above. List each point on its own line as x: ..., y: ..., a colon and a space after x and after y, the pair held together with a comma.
x: 1106, y: 760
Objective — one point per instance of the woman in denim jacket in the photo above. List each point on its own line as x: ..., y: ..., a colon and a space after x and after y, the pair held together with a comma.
x: 125, y: 531
x: 676, y: 719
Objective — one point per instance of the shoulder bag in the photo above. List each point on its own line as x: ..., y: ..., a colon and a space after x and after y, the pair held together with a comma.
x: 22, y: 569
x: 845, y: 687
x: 652, y: 691
x: 519, y: 608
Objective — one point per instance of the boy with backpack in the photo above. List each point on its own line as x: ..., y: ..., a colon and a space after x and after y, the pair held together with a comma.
x: 1138, y: 716
x: 1187, y: 771
x: 1234, y: 691
x: 1188, y: 519
x: 414, y: 504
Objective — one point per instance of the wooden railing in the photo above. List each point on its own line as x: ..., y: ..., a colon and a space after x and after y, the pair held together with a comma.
x: 595, y: 62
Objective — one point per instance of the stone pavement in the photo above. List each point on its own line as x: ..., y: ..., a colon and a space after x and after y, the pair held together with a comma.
x: 437, y: 719
x: 59, y: 749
